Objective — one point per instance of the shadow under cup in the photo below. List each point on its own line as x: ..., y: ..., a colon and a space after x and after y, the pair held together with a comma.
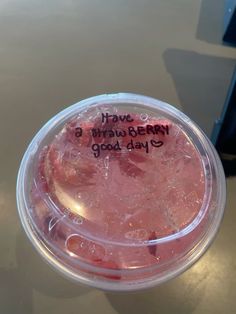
x: 121, y: 192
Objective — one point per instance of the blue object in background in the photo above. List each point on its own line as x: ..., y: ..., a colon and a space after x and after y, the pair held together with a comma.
x: 230, y: 22
x: 224, y: 132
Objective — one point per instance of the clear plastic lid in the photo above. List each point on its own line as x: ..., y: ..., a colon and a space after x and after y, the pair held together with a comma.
x: 121, y: 192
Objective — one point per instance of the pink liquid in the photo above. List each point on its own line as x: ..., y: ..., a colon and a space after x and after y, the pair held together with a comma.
x: 107, y: 207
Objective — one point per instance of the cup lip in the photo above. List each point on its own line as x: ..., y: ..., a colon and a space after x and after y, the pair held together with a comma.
x: 63, y: 116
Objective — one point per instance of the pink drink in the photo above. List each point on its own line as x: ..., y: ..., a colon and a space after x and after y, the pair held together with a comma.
x: 118, y: 194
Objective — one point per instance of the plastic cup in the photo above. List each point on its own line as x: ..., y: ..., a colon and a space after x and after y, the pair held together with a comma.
x: 121, y: 192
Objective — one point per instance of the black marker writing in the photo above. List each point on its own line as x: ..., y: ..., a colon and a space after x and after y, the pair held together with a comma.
x: 106, y: 117
x: 97, y: 148
x: 138, y: 145
x: 130, y: 131
x: 78, y: 132
x: 155, y: 143
x: 108, y: 133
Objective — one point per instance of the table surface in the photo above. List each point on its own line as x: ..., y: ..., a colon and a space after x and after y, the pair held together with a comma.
x: 54, y: 53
